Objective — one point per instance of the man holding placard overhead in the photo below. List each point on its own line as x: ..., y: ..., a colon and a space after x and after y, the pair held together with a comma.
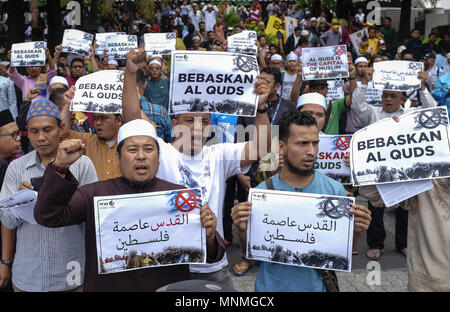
x: 190, y: 162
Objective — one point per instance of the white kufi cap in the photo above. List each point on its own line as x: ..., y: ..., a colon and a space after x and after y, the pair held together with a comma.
x: 312, y: 98
x: 276, y: 57
x: 59, y: 79
x: 360, y: 60
x: 137, y: 127
x: 292, y: 57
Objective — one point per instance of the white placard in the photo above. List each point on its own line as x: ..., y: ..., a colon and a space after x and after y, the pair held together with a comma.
x: 290, y: 24
x: 301, y: 229
x: 416, y: 148
x: 243, y: 42
x: 160, y: 43
x: 325, y: 63
x: 395, y: 193
x: 119, y: 45
x: 28, y: 54
x: 146, y: 230
x: 215, y: 82
x: 21, y: 205
x: 397, y: 75
x: 102, y: 40
x: 77, y: 42
x: 99, y: 92
x: 330, y: 159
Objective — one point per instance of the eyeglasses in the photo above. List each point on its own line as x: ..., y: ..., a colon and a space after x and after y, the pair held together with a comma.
x: 14, y: 134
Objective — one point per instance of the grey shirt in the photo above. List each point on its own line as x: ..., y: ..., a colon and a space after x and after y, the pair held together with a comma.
x: 42, y: 258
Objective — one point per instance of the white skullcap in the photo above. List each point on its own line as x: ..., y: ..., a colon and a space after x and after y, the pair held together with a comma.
x: 313, y: 19
x: 361, y: 59
x: 155, y: 62
x: 160, y: 56
x: 276, y: 57
x: 6, y: 64
x: 292, y: 57
x: 401, y: 49
x: 137, y: 127
x: 113, y: 62
x: 312, y: 98
x: 59, y: 79
x: 304, y: 33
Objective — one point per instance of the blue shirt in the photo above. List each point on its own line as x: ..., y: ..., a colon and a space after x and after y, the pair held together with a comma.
x: 273, y: 277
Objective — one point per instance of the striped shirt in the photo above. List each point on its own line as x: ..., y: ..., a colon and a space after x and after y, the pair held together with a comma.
x: 160, y: 116
x: 43, y: 254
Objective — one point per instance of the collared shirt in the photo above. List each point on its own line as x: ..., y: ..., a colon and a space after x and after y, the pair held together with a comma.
x: 369, y: 114
x: 160, y: 116
x: 8, y: 96
x: 157, y: 91
x: 25, y: 82
x: 102, y: 155
x: 43, y: 254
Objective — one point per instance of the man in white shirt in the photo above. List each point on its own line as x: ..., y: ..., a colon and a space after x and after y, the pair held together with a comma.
x: 392, y: 102
x: 210, y: 12
x: 189, y: 162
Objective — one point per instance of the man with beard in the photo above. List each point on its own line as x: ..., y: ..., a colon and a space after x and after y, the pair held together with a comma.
x: 100, y: 147
x: 299, y: 141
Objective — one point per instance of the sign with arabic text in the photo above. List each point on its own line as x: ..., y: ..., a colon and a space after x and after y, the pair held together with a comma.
x: 301, y: 229
x: 77, y: 42
x: 160, y: 43
x: 145, y: 230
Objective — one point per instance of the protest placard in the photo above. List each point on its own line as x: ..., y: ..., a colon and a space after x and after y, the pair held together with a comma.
x: 218, y: 82
x: 275, y: 25
x: 243, y: 42
x: 101, y: 39
x: 160, y: 43
x: 373, y: 96
x: 99, y: 92
x: 289, y: 25
x: 394, y: 193
x: 28, y: 54
x: 330, y: 159
x: 119, y: 45
x: 357, y: 38
x: 335, y: 90
x: 300, y: 229
x: 146, y: 230
x: 325, y: 62
x: 397, y: 75
x: 77, y: 42
x: 416, y: 148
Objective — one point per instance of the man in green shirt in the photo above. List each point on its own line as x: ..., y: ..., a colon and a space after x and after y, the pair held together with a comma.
x: 389, y: 35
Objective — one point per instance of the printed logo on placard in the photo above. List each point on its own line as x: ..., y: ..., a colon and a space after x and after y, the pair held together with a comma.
x: 245, y: 63
x: 185, y: 201
x: 259, y: 197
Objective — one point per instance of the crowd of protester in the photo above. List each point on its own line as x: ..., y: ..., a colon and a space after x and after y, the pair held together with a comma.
x: 35, y: 256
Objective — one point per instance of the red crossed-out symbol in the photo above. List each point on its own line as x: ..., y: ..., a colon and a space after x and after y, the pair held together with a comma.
x: 339, y: 50
x: 343, y: 143
x: 185, y: 201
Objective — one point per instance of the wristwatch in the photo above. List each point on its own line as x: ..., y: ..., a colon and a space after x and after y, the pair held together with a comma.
x: 7, y: 262
x: 264, y: 110
x: 59, y: 169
